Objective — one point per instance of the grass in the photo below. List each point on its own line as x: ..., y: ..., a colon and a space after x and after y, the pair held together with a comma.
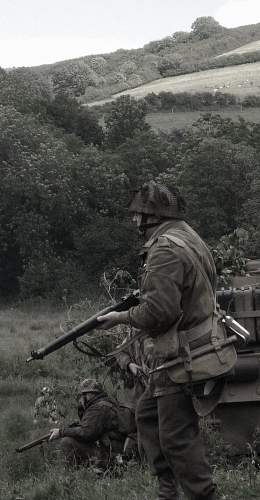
x: 39, y: 474
x: 240, y: 80
x: 166, y: 121
x: 249, y: 47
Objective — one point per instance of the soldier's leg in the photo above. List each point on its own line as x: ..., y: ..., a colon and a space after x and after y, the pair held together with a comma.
x: 77, y: 453
x: 148, y: 433
x: 182, y: 446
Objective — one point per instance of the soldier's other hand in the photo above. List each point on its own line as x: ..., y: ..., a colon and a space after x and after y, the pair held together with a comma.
x: 134, y: 368
x: 55, y: 434
x: 109, y: 320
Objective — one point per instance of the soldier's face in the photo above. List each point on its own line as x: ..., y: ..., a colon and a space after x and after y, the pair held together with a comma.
x: 137, y: 219
x: 145, y: 223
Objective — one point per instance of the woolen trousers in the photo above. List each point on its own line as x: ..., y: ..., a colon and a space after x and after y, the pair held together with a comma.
x: 168, y: 430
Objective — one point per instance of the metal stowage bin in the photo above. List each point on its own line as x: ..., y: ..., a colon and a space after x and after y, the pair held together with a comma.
x: 257, y: 311
x: 244, y: 309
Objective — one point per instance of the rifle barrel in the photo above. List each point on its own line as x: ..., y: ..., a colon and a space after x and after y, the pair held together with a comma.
x: 34, y: 443
x: 79, y: 330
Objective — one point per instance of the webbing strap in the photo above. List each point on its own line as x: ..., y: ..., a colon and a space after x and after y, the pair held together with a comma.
x: 184, y: 351
x: 196, y: 353
x: 195, y: 333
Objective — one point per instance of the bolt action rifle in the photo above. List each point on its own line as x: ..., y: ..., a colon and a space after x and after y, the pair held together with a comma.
x: 35, y: 442
x: 126, y: 303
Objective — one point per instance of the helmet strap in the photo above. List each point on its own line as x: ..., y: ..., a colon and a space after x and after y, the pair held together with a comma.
x: 147, y: 225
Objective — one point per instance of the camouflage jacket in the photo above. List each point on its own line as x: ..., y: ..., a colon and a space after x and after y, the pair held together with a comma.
x: 140, y: 353
x: 45, y: 408
x: 173, y: 291
x: 103, y: 420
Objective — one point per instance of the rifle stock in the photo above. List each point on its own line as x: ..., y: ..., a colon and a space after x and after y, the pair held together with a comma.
x: 88, y: 325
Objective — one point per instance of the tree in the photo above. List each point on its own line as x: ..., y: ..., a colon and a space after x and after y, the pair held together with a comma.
x: 36, y: 204
x: 127, y: 116
x: 181, y: 37
x: 144, y: 157
x: 169, y: 64
x: 63, y: 111
x: 67, y: 113
x: 73, y: 78
x: 205, y: 27
x: 88, y: 128
x: 24, y: 89
x: 215, y: 177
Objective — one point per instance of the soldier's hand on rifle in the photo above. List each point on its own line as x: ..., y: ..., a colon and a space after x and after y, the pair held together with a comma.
x: 112, y: 319
x: 55, y: 434
x: 134, y: 368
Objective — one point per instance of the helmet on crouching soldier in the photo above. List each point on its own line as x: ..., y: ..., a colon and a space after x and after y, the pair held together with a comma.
x: 89, y: 385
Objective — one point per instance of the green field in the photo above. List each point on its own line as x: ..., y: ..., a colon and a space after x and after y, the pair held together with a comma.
x: 240, y: 80
x: 178, y: 119
x: 38, y: 474
x: 249, y: 47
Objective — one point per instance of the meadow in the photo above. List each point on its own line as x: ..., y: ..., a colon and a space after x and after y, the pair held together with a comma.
x: 166, y: 121
x: 248, y: 47
x: 38, y: 474
x: 240, y: 80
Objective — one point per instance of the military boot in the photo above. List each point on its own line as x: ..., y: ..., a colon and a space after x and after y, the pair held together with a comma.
x: 167, y: 488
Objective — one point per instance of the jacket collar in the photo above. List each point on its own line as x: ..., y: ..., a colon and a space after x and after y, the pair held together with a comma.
x: 159, y: 230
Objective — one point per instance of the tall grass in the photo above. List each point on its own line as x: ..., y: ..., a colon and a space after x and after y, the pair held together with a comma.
x: 39, y: 474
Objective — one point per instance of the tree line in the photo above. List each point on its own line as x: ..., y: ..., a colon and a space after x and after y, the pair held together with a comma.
x: 67, y: 180
x: 97, y: 76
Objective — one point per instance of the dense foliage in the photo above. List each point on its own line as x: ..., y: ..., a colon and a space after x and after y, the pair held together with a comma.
x: 184, y: 101
x: 67, y: 179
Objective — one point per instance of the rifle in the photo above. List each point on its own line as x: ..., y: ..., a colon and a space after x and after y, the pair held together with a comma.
x: 40, y: 440
x: 34, y: 443
x: 88, y: 325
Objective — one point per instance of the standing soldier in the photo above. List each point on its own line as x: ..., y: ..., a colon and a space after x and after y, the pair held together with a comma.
x: 177, y: 286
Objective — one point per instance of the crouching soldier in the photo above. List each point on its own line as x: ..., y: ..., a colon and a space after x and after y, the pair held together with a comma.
x: 99, y: 436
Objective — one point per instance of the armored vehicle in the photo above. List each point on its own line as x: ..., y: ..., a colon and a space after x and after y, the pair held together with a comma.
x: 238, y: 411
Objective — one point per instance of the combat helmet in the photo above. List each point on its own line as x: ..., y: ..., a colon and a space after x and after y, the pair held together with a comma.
x: 46, y: 391
x: 89, y: 385
x: 156, y: 199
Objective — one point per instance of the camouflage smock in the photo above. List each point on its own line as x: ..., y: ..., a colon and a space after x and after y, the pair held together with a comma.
x: 140, y: 353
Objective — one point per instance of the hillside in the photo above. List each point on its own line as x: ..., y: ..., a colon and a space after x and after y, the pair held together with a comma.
x: 100, y: 76
x: 249, y: 47
x: 238, y: 80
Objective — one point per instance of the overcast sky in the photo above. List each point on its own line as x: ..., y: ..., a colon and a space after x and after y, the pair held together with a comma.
x: 34, y: 32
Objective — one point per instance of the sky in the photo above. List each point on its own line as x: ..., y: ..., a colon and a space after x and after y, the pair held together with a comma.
x: 34, y: 32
